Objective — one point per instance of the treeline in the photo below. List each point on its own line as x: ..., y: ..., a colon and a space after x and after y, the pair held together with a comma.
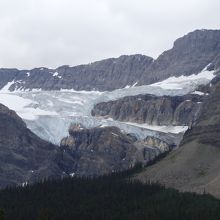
x: 109, y: 197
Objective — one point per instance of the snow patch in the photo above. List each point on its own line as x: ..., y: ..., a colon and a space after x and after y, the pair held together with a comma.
x: 198, y: 93
x: 127, y: 87
x: 36, y: 90
x: 56, y: 74
x: 24, y: 184
x: 134, y: 84
x: 81, y: 91
x: 7, y: 86
x: 165, y: 129
x: 72, y: 174
x: 207, y: 66
x: 180, y: 82
x: 115, y: 134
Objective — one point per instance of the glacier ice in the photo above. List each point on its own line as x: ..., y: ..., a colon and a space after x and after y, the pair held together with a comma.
x: 49, y: 113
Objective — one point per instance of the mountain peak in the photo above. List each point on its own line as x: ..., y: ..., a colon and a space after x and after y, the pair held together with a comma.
x: 209, y: 39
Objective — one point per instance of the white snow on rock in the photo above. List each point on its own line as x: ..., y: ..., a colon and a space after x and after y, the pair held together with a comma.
x: 135, y: 84
x: 198, y: 93
x: 72, y: 174
x: 127, y: 87
x: 180, y: 82
x: 36, y: 90
x: 165, y: 129
x: 7, y: 86
x: 207, y: 66
x: 55, y: 74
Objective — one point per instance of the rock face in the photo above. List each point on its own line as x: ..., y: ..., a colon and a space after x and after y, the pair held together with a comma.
x: 195, y: 165
x: 103, y: 150
x: 96, y: 76
x: 154, y: 110
x: 155, y: 142
x: 207, y: 128
x: 97, y: 151
x: 189, y: 55
x: 23, y: 156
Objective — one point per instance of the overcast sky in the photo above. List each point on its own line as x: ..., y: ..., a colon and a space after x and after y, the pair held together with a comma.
x: 51, y: 33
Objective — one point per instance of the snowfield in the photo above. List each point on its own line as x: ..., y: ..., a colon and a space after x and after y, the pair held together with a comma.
x: 49, y: 113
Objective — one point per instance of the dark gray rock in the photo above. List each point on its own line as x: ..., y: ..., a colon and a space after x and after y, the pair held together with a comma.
x: 154, y: 110
x: 99, y: 150
x: 24, y: 157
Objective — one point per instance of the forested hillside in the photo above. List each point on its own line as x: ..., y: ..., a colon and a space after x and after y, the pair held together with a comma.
x: 108, y: 197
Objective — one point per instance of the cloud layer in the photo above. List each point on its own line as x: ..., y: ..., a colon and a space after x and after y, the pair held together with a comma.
x: 56, y: 32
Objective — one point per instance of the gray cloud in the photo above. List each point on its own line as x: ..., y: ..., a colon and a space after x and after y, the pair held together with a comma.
x: 56, y: 32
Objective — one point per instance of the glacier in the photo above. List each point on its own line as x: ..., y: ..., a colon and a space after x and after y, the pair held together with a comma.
x: 50, y: 113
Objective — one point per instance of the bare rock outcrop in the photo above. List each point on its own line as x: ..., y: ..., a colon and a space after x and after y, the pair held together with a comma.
x: 153, y: 110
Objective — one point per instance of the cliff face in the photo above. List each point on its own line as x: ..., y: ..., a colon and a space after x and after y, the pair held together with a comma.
x: 165, y: 110
x: 97, y: 151
x: 103, y: 150
x: 195, y: 165
x: 189, y: 55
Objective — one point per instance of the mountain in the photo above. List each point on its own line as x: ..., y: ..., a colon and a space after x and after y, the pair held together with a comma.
x: 190, y: 55
x: 95, y: 76
x: 194, y: 166
x: 102, y: 145
x: 24, y: 157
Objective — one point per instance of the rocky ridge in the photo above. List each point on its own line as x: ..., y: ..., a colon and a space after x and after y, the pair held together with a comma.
x: 190, y: 55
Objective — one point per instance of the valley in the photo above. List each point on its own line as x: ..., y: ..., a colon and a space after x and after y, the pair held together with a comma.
x: 110, y: 126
